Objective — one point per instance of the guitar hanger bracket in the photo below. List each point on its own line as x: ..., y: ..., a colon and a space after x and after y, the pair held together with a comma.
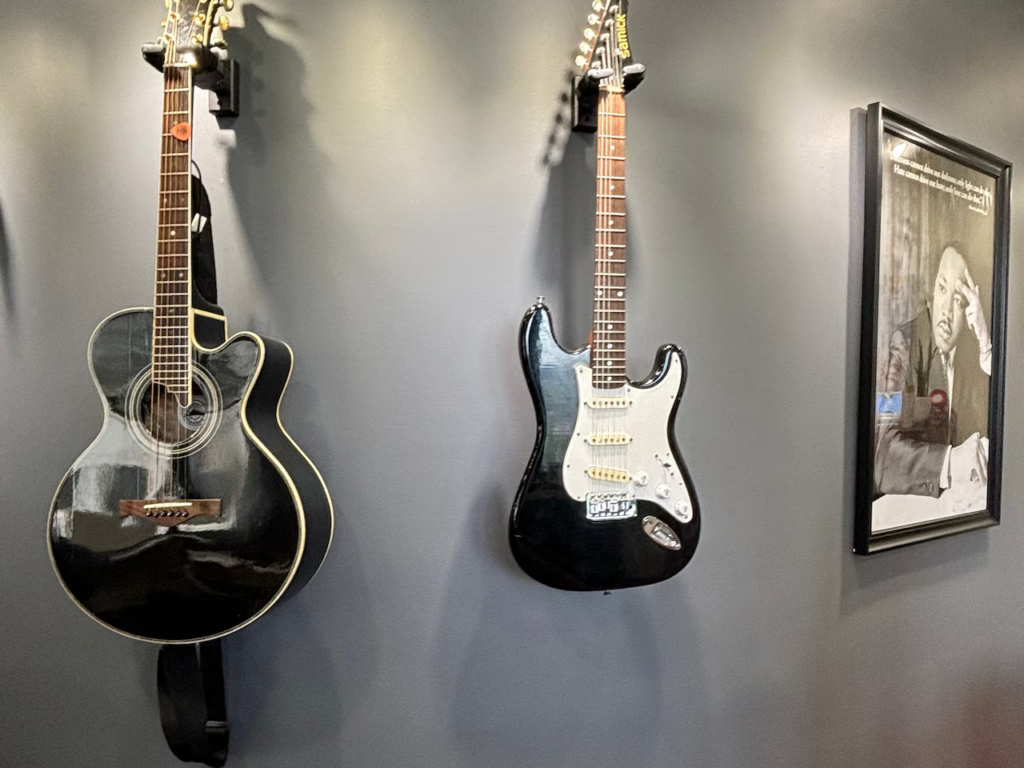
x: 584, y: 104
x: 217, y: 73
x: 585, y: 90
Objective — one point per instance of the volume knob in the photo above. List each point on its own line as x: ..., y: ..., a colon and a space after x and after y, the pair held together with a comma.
x: 662, y: 491
x: 683, y: 512
x: 640, y: 479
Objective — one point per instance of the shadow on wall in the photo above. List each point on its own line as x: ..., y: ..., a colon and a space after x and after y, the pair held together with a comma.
x: 278, y: 178
x: 293, y: 676
x: 534, y: 676
x: 6, y: 268
x: 537, y: 676
x: 289, y: 684
x: 563, y: 253
x: 866, y: 580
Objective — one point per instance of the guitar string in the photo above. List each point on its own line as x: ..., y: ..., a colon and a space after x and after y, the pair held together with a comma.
x: 154, y: 419
x: 187, y: 164
x: 602, y: 280
x: 619, y: 129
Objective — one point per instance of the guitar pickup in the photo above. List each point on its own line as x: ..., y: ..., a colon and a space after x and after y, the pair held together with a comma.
x: 607, y: 403
x: 611, y: 475
x: 609, y: 438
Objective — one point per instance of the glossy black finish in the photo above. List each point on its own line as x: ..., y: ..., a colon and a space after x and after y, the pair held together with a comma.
x: 551, y: 537
x: 210, y: 576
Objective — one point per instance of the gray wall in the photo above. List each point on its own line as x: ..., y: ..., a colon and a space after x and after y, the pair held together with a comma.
x: 382, y: 205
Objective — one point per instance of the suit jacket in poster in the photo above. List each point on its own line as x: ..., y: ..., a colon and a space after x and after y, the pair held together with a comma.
x: 909, y: 454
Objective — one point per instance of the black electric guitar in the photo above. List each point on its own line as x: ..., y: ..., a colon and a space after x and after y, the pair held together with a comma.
x: 193, y: 511
x: 606, y: 502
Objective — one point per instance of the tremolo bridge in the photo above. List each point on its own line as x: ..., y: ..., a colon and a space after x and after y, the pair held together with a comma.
x: 610, y: 506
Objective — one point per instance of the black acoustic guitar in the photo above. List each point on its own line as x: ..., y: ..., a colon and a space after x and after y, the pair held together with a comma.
x: 606, y: 502
x: 192, y: 512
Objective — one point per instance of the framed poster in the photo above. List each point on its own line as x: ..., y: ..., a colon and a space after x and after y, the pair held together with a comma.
x: 930, y: 412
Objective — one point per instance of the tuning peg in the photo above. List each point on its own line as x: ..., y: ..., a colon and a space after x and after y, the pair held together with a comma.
x: 600, y: 74
x: 581, y: 60
x: 229, y: 5
x: 589, y: 34
x: 598, y: 6
x: 634, y: 69
x: 224, y: 23
x: 585, y: 47
x: 593, y: 18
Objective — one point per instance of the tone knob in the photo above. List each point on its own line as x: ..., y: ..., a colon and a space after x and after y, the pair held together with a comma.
x: 662, y: 491
x: 683, y: 511
x: 640, y: 479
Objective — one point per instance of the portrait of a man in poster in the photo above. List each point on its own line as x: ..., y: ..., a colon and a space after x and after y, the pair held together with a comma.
x: 934, y: 348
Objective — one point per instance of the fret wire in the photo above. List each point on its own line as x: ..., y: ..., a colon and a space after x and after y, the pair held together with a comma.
x: 171, y: 308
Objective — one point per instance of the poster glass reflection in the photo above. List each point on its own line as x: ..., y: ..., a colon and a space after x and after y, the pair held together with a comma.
x: 933, y: 327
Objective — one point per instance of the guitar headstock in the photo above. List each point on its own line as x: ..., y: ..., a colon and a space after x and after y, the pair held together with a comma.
x: 188, y: 28
x: 605, y: 56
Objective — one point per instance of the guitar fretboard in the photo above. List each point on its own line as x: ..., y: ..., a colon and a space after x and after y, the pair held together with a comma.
x: 608, y: 352
x: 172, y: 358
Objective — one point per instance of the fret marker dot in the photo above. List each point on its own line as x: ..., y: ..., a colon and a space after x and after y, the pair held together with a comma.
x: 600, y: 293
x: 611, y: 253
x: 613, y: 187
x: 609, y: 326
x: 172, y: 233
x: 613, y: 146
x: 609, y: 346
x: 620, y: 293
x: 608, y: 362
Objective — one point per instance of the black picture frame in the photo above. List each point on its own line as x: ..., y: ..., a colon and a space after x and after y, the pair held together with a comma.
x: 881, y: 122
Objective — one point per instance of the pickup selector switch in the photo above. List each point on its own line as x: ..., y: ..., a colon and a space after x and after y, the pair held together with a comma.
x: 662, y: 491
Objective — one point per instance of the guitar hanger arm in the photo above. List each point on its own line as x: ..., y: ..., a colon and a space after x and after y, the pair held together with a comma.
x: 217, y: 73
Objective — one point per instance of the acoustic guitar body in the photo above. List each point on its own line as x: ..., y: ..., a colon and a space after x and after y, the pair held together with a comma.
x: 185, y: 522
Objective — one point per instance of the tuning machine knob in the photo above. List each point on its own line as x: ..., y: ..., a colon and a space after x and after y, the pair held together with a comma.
x: 224, y: 23
x: 229, y: 5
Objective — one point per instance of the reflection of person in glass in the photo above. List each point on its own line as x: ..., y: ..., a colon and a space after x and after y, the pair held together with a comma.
x: 941, y: 438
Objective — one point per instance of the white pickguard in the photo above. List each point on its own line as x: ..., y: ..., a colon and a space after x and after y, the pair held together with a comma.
x: 645, y: 458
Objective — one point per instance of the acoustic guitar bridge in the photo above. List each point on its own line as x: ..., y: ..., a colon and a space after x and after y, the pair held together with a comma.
x: 169, y: 513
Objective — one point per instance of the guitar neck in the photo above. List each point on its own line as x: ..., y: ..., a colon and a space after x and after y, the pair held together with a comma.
x: 172, y: 320
x: 608, y: 351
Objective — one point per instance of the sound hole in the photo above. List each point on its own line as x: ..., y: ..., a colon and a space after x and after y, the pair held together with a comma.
x: 162, y: 422
x: 169, y: 421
